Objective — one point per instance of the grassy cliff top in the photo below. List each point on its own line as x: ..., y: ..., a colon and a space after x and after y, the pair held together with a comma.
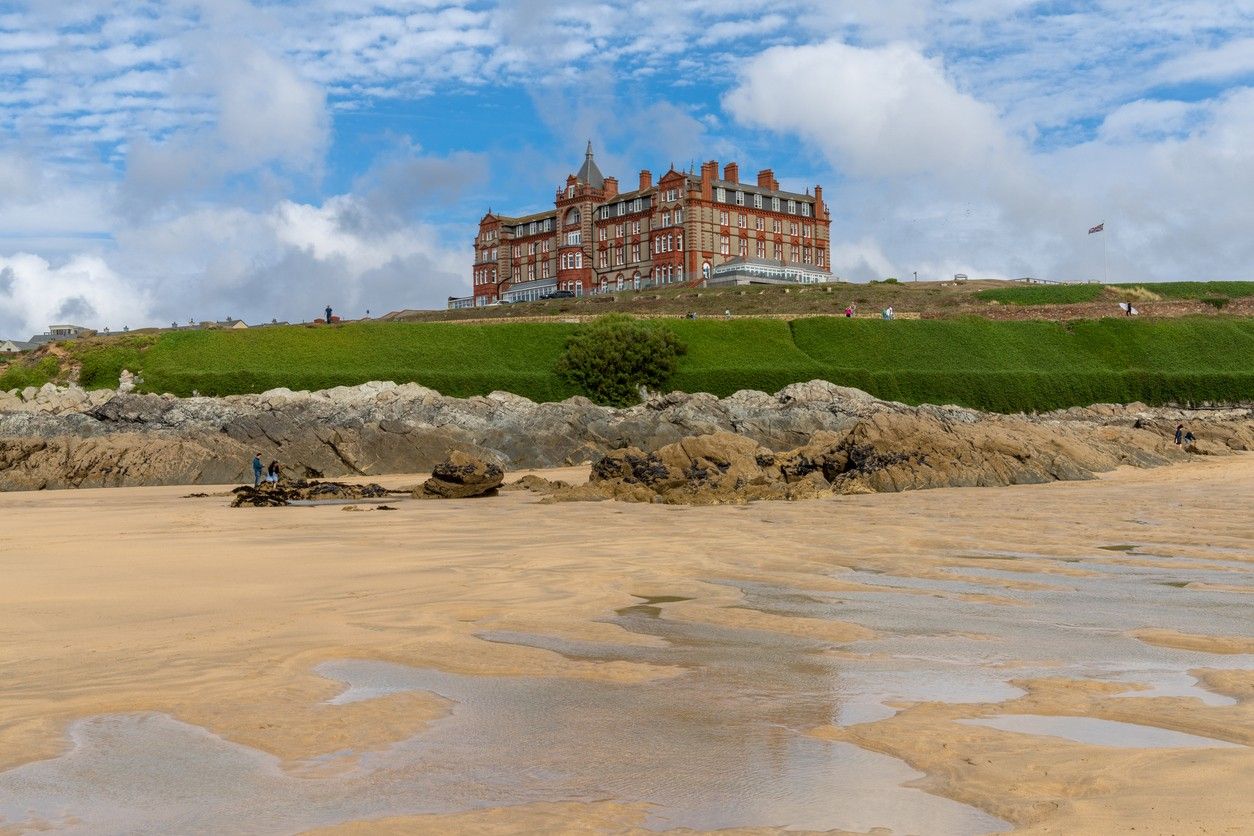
x: 1001, y: 366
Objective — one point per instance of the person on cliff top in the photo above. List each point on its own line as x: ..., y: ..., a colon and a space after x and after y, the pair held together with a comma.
x: 1180, y: 433
x: 328, y: 314
x: 272, y: 473
x: 257, y: 470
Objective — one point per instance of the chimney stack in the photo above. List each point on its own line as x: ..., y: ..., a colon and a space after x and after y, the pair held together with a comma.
x: 646, y: 179
x: 731, y: 173
x: 611, y: 186
x: 818, y: 201
x: 766, y: 180
x: 709, y: 171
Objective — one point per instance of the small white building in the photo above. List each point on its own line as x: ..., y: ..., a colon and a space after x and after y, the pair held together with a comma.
x: 66, y: 332
x: 14, y: 346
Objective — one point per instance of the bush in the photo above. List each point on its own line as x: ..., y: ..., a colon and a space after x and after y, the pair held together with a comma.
x: 612, y: 357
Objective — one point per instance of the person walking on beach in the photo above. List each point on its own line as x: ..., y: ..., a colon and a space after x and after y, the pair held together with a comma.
x: 257, y: 471
x: 1188, y: 437
x: 1179, y: 433
x: 272, y: 473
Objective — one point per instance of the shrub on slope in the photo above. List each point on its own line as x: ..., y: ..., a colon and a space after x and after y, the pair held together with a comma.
x: 613, y: 356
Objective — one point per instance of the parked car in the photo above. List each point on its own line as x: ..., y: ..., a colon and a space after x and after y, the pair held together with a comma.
x: 559, y: 294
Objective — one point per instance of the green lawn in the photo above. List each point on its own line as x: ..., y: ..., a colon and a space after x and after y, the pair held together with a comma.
x: 1069, y: 294
x: 1002, y: 366
x: 459, y: 360
x: 1043, y: 294
x: 1011, y: 366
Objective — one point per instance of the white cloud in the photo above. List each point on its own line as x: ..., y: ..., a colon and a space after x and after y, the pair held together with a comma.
x: 1231, y: 59
x: 1149, y: 119
x: 84, y: 290
x: 266, y: 110
x: 876, y: 112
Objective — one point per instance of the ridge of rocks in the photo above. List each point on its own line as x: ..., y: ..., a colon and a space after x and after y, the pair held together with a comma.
x: 55, y: 437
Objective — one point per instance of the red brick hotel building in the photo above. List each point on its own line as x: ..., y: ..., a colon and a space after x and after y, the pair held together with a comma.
x: 687, y: 229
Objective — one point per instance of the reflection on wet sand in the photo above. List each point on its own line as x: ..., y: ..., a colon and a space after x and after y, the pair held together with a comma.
x: 722, y: 745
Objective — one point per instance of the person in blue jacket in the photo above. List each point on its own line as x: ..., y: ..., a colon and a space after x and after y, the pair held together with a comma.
x: 257, y: 468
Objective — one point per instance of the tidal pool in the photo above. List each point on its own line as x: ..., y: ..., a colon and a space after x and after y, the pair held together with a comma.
x: 722, y: 744
x: 1100, y: 732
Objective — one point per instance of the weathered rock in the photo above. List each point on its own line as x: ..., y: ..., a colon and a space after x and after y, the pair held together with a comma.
x: 461, y: 476
x: 302, y: 491
x: 56, y: 438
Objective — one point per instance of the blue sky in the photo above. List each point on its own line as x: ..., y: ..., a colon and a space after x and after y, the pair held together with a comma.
x: 167, y: 160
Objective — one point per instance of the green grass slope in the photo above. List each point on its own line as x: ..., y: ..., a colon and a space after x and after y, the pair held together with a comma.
x: 1036, y: 365
x: 1071, y: 294
x: 458, y: 360
x: 1001, y: 366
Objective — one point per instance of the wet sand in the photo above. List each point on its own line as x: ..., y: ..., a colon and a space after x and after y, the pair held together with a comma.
x: 498, y: 665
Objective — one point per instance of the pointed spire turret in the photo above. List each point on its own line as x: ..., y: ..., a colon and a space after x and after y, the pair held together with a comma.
x: 589, y: 174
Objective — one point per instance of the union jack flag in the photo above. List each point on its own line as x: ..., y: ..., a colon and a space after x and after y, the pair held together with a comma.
x: 1101, y: 226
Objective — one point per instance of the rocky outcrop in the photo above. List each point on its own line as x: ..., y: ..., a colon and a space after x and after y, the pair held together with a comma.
x: 885, y: 453
x: 462, y: 476
x: 64, y: 437
x: 269, y: 496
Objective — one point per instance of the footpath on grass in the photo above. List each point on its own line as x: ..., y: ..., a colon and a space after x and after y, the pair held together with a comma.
x: 978, y: 363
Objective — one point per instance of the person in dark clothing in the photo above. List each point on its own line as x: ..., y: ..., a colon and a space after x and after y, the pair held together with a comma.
x: 1179, y: 433
x: 272, y: 473
x: 1188, y: 437
x: 328, y: 314
x: 1128, y: 312
x: 257, y: 470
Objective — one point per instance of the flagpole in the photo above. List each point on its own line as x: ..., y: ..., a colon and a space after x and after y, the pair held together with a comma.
x: 1105, y: 270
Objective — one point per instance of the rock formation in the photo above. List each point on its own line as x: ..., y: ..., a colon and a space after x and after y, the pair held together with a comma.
x: 888, y: 452
x: 65, y: 437
x: 269, y: 496
x: 461, y: 476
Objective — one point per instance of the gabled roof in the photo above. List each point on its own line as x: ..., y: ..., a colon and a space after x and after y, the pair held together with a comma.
x: 589, y: 174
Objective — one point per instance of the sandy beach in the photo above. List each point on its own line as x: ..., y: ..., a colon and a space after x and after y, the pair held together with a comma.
x: 897, y: 661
